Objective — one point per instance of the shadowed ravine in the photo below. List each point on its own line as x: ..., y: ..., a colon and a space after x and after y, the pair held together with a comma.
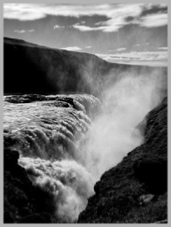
x: 81, y: 157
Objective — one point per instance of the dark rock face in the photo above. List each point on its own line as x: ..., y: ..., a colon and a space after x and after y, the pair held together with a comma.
x: 29, y: 68
x: 44, y: 70
x: 22, y: 201
x: 135, y: 191
x: 152, y: 170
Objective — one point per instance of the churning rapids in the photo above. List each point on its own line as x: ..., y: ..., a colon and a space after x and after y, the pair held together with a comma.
x: 66, y: 142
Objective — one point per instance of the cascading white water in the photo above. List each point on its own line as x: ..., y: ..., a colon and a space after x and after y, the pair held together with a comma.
x: 66, y: 148
x: 47, y: 138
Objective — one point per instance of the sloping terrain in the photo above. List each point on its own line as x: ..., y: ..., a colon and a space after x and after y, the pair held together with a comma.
x: 135, y: 191
x: 30, y: 68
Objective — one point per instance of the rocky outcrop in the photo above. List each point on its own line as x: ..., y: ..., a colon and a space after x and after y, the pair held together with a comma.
x: 135, y: 191
x: 23, y: 202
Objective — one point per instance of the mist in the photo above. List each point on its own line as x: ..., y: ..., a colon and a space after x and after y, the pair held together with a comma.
x: 114, y: 131
x: 69, y: 184
x: 89, y: 139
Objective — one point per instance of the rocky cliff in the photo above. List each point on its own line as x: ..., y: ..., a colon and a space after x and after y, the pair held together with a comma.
x: 135, y: 191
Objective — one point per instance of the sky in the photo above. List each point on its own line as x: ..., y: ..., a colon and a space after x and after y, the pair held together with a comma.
x: 131, y: 33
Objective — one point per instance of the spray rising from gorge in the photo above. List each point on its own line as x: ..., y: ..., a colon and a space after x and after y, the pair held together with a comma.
x: 114, y: 131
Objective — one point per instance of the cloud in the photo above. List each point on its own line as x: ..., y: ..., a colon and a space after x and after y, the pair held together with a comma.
x: 162, y: 48
x: 88, y: 47
x: 84, y: 28
x: 23, y: 12
x: 121, y: 49
x: 38, y: 11
x: 58, y: 26
x: 153, y: 9
x: 155, y: 20
x: 116, y: 20
x: 23, y: 31
x: 146, y: 56
x: 72, y: 48
x: 117, y: 14
x: 20, y: 31
x: 142, y: 44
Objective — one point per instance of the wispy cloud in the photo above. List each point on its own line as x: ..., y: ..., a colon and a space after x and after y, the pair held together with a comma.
x: 85, y: 28
x: 23, y: 31
x: 38, y: 11
x: 117, y: 14
x: 58, y: 26
x: 142, y: 44
x: 162, y: 48
x: 133, y: 56
x: 121, y: 49
x: 88, y: 47
x: 72, y: 48
x: 20, y: 31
